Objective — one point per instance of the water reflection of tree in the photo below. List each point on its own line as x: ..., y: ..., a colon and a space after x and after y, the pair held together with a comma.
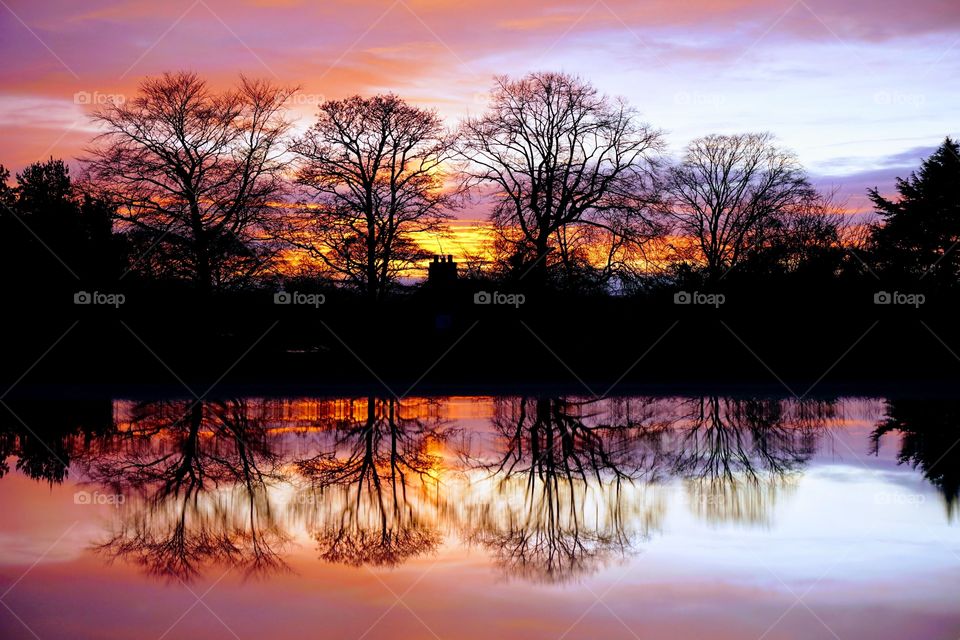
x: 45, y: 437
x: 929, y: 431
x: 567, y: 486
x: 737, y: 455
x: 366, y: 489
x: 564, y: 500
x: 195, y: 477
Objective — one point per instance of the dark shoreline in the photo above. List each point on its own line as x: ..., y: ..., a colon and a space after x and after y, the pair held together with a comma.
x: 790, y: 344
x: 907, y: 389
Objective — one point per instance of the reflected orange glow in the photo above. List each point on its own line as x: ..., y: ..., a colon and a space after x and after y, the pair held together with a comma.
x: 522, y: 507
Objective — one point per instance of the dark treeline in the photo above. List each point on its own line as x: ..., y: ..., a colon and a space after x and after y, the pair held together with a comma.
x: 196, y: 207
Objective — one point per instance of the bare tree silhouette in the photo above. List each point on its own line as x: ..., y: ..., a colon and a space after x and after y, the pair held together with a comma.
x: 728, y: 192
x: 737, y: 454
x: 555, y: 490
x: 196, y: 477
x: 196, y: 175
x: 552, y: 462
x: 375, y: 166
x: 358, y: 494
x: 569, y: 166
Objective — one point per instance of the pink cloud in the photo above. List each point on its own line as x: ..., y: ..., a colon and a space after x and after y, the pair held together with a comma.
x: 437, y: 52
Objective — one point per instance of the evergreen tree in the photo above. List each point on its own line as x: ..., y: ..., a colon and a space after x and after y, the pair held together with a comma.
x: 920, y: 233
x: 47, y: 224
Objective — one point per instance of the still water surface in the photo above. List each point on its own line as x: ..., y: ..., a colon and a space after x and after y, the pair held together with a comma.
x: 481, y: 517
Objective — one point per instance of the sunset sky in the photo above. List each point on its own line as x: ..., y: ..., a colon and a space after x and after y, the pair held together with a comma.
x: 861, y: 89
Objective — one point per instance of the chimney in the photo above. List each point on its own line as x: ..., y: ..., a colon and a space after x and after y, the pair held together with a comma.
x: 442, y: 271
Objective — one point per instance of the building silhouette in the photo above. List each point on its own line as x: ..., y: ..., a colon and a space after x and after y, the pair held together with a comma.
x: 442, y: 271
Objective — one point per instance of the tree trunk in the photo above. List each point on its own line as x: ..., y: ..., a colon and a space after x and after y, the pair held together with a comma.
x: 203, y: 268
x: 372, y: 277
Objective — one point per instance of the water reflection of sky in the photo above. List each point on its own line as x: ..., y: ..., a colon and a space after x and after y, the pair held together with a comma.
x: 866, y: 544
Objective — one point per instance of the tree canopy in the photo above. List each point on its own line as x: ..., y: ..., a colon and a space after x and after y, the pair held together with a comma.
x: 919, y: 231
